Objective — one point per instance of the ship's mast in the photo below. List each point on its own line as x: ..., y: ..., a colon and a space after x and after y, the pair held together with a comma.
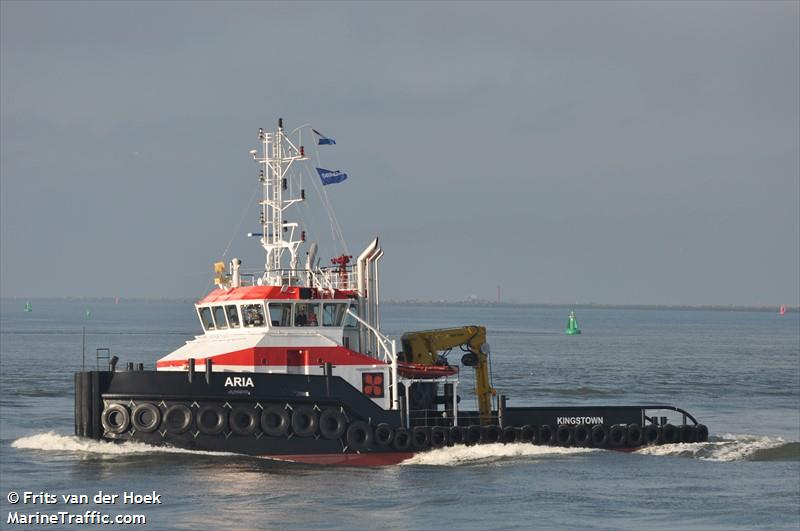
x: 277, y: 155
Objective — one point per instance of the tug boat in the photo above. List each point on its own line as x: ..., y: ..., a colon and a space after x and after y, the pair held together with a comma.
x: 292, y: 365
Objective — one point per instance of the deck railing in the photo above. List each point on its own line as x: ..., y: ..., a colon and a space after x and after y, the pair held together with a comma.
x: 325, y: 278
x: 387, y: 348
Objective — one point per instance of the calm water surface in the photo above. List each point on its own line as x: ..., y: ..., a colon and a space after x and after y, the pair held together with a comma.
x: 737, y: 372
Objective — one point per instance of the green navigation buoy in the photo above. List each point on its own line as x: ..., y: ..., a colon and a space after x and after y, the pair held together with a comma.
x: 572, y: 325
x: 28, y: 307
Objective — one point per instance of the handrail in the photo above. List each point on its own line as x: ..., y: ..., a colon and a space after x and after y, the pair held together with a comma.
x: 326, y: 277
x: 666, y: 407
x: 390, y: 353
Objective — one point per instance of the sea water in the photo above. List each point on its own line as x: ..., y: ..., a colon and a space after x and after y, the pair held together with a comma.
x: 737, y: 372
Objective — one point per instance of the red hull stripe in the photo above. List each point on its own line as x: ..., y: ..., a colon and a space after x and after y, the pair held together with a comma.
x: 282, y: 357
x: 370, y: 459
x: 268, y: 292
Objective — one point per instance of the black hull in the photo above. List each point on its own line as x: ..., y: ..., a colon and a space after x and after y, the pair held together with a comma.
x: 282, y: 415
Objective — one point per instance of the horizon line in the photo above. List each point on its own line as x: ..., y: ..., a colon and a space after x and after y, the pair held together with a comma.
x: 465, y: 302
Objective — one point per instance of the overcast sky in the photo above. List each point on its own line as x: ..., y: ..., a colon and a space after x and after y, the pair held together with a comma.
x: 567, y: 152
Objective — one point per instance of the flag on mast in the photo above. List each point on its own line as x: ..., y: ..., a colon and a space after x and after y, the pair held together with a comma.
x: 331, y: 176
x: 324, y: 140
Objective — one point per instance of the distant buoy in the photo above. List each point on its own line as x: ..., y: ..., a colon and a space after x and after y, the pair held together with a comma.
x: 572, y: 325
x: 28, y: 307
x: 782, y: 310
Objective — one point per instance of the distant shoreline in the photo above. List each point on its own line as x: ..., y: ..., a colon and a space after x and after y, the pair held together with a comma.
x: 477, y: 302
x: 602, y: 306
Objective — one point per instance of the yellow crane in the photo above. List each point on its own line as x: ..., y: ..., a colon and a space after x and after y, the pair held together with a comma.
x: 423, y: 348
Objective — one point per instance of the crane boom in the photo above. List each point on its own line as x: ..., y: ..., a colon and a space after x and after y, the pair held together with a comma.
x: 423, y: 348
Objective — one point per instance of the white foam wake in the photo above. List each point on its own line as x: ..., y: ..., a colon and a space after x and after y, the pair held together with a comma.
x: 727, y: 447
x: 54, y: 442
x: 457, y: 455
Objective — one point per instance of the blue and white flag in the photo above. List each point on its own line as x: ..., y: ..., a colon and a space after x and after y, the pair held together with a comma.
x: 324, y: 140
x: 331, y: 176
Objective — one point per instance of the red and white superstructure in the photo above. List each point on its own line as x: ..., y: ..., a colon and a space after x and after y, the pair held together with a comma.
x: 294, y: 318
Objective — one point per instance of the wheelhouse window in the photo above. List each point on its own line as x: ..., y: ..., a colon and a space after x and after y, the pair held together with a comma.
x: 233, y: 315
x: 305, y: 314
x: 253, y: 315
x: 333, y: 313
x: 219, y: 318
x: 351, y: 321
x: 205, y: 318
x: 280, y: 314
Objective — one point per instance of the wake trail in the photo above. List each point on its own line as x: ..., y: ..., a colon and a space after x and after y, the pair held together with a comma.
x: 54, y: 442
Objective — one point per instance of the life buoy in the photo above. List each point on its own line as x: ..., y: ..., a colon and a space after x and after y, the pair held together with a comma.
x: 473, y: 434
x: 332, y: 423
x: 599, y: 435
x: 243, y: 420
x: 526, y: 433
x: 701, y: 433
x: 275, y: 420
x: 651, y: 434
x: 177, y: 418
x: 146, y: 417
x: 359, y: 435
x: 383, y: 434
x: 564, y: 435
x: 211, y: 420
x: 509, y: 435
x: 402, y: 440
x: 617, y: 435
x: 458, y: 435
x: 669, y: 434
x: 420, y: 437
x: 582, y: 435
x: 635, y: 436
x: 115, y: 418
x: 304, y: 421
x: 687, y: 433
x: 545, y: 435
x: 440, y: 436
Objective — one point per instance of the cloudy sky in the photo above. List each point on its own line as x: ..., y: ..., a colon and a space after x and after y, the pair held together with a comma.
x: 567, y: 152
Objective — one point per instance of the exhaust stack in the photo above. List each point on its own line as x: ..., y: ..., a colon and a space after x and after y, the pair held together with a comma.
x: 365, y: 294
x: 310, y: 256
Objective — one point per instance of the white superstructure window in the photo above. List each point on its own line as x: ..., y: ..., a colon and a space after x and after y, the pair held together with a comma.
x: 280, y: 313
x: 206, y: 320
x: 333, y: 313
x: 219, y: 317
x: 351, y: 321
x: 233, y: 315
x: 305, y: 314
x: 253, y: 315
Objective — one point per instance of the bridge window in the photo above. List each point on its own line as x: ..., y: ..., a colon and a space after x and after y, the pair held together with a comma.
x: 219, y: 318
x: 306, y: 314
x: 253, y: 315
x: 280, y: 314
x: 333, y: 314
x: 233, y: 315
x: 351, y: 321
x: 205, y: 318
